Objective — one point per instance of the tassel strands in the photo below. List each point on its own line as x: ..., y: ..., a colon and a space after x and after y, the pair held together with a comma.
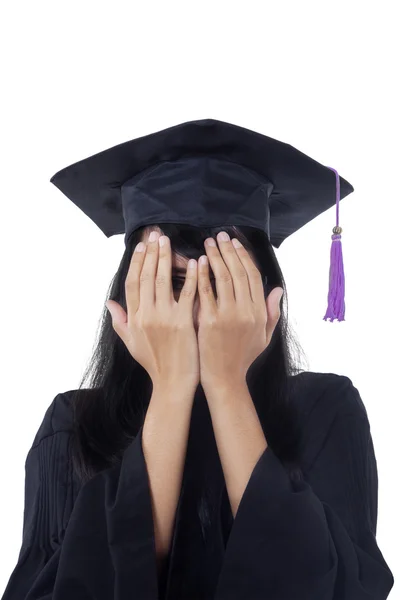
x: 336, y: 303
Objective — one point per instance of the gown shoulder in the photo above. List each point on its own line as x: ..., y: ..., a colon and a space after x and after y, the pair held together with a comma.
x: 326, y: 392
x: 58, y: 417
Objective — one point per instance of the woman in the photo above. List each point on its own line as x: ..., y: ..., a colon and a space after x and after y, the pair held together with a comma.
x: 322, y: 536
x: 200, y: 462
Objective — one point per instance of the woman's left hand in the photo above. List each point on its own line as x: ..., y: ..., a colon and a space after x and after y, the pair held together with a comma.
x: 237, y: 327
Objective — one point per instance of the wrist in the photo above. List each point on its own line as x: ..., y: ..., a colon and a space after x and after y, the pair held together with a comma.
x: 223, y: 387
x: 174, y: 391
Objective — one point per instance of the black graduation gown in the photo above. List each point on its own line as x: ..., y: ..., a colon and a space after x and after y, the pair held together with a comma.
x: 311, y: 540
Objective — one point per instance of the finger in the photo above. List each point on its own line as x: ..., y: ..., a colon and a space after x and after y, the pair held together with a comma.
x: 119, y: 318
x: 273, y: 311
x: 132, y: 281
x: 253, y: 275
x: 223, y: 278
x: 208, y: 302
x: 149, y: 270
x: 238, y: 273
x: 163, y: 284
x: 188, y: 292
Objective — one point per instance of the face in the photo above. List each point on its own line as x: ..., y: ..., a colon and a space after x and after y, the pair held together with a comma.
x: 179, y: 267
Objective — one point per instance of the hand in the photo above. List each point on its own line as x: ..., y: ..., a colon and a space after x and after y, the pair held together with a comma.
x: 237, y: 327
x: 158, y: 331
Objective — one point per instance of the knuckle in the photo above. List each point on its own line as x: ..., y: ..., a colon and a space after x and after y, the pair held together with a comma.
x: 206, y: 288
x: 144, y: 276
x: 254, y: 272
x: 241, y: 273
x: 247, y: 319
x: 161, y: 327
x: 182, y: 324
x: 130, y: 283
x: 187, y: 292
x: 144, y: 322
x: 225, y: 277
x: 210, y: 322
x: 161, y: 280
x: 228, y: 317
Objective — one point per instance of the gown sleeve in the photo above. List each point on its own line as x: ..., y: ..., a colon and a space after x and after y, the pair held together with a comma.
x: 97, y: 546
x: 48, y: 502
x: 312, y: 539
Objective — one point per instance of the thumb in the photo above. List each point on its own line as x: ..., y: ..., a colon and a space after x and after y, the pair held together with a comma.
x: 119, y: 317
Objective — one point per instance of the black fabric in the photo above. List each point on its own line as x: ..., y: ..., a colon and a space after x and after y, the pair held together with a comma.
x: 203, y: 173
x: 311, y: 540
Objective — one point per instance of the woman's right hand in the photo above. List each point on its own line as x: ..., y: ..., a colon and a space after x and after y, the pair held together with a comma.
x: 158, y: 331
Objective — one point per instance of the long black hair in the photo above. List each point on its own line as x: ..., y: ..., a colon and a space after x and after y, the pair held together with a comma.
x: 111, y: 408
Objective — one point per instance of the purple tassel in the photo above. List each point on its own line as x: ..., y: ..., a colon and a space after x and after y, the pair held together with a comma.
x: 336, y: 305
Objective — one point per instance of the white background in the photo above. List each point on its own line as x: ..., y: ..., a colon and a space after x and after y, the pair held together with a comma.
x: 79, y: 77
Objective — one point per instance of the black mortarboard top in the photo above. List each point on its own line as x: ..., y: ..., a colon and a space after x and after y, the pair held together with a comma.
x: 209, y: 173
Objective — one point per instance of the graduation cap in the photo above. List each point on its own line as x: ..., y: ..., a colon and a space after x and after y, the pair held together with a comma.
x: 209, y: 173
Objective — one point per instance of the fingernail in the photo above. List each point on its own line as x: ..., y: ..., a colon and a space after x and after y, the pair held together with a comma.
x: 139, y: 247
x: 153, y: 236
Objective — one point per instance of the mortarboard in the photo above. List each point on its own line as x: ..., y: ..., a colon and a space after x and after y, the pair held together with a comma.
x: 209, y: 173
